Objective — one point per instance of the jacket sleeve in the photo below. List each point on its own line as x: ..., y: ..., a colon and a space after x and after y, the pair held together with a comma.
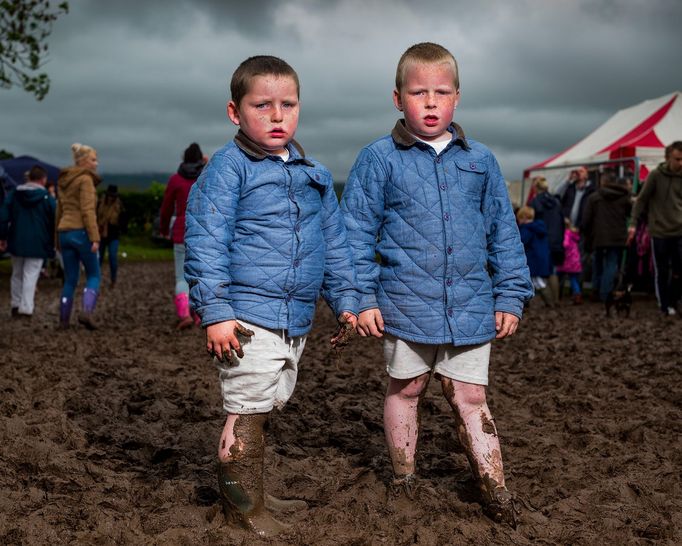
x: 167, y: 207
x: 362, y: 205
x: 642, y: 201
x: 5, y: 216
x: 506, y: 257
x: 209, y: 231
x: 339, y: 283
x: 587, y: 228
x: 88, y: 204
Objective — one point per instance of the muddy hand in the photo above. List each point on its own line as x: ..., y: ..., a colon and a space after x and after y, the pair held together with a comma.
x: 244, y: 332
x: 342, y: 336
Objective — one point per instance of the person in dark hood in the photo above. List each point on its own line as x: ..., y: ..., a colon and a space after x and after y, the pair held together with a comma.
x: 78, y: 234
x: 27, y: 232
x: 661, y: 200
x: 174, y: 204
x: 547, y: 208
x: 533, y: 234
x: 605, y: 231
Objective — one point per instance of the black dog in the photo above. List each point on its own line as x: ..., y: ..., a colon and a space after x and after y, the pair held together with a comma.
x: 620, y: 298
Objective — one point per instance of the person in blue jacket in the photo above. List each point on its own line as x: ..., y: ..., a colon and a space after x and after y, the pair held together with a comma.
x: 535, y: 239
x: 264, y: 237
x: 27, y: 233
x: 450, y: 274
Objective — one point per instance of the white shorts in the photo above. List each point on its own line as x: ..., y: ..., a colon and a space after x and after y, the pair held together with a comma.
x: 406, y: 360
x: 265, y: 378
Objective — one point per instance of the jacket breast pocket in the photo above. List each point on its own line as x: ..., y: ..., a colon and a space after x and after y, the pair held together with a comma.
x: 471, y: 176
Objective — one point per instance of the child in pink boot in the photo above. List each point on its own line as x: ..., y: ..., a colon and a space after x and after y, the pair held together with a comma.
x: 175, y: 203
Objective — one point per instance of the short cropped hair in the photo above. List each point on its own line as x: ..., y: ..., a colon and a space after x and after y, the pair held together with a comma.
x: 525, y: 213
x: 37, y: 173
x: 428, y: 53
x: 677, y: 146
x: 80, y: 152
x: 260, y: 65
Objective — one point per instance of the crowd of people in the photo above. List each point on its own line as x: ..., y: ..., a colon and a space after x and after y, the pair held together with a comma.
x: 423, y: 251
x: 585, y: 231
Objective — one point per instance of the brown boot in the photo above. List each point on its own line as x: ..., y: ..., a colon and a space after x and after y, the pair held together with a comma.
x: 241, y: 480
x: 501, y: 506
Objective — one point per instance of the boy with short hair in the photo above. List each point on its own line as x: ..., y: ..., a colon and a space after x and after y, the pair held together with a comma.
x: 452, y: 273
x: 264, y: 235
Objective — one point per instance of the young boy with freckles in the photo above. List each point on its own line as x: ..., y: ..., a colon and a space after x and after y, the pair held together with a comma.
x: 264, y: 237
x: 452, y: 272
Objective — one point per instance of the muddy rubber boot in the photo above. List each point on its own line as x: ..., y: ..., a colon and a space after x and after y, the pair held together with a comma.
x: 545, y: 296
x: 65, y: 306
x: 500, y: 505
x: 89, y: 302
x: 284, y: 505
x: 240, y: 481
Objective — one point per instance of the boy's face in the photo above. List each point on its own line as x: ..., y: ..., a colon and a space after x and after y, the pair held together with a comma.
x: 428, y: 99
x: 268, y: 113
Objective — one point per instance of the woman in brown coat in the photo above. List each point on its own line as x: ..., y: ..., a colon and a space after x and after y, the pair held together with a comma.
x: 77, y: 233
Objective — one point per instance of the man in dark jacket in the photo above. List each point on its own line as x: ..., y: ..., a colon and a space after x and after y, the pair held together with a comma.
x: 605, y: 232
x: 27, y: 231
x: 575, y: 196
x: 661, y: 200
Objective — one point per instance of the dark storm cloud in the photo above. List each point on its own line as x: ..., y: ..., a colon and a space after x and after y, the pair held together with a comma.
x: 140, y: 80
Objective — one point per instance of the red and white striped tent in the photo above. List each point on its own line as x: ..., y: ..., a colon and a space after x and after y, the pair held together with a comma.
x: 641, y: 131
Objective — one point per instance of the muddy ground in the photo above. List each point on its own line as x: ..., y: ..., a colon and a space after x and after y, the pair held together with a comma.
x: 109, y: 437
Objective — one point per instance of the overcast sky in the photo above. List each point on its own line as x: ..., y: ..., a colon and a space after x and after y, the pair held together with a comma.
x: 139, y: 80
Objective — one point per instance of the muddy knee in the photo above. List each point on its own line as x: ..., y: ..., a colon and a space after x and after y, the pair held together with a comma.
x: 408, y: 388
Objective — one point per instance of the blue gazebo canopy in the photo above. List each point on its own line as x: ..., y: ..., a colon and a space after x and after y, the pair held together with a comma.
x: 16, y: 167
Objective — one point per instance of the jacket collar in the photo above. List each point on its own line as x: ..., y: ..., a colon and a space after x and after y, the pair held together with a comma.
x: 403, y: 137
x: 249, y: 147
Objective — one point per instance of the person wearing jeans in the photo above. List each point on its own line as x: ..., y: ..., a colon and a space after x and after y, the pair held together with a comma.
x: 78, y: 234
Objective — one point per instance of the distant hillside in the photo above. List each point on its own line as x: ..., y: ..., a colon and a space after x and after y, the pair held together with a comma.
x: 133, y: 181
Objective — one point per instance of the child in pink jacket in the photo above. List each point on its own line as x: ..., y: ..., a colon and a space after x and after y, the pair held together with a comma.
x: 572, y: 265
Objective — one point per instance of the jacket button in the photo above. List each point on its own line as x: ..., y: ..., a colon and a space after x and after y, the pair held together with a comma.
x: 449, y: 282
x: 443, y: 187
x: 446, y: 216
x: 449, y: 250
x: 287, y: 298
x: 291, y: 195
x: 438, y: 160
x: 297, y: 227
x: 317, y: 177
x: 297, y: 262
x: 450, y: 313
x: 472, y: 165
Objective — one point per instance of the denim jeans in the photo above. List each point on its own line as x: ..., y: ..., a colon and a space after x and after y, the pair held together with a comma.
x: 110, y: 245
x: 181, y: 286
x: 604, y: 268
x: 75, y: 248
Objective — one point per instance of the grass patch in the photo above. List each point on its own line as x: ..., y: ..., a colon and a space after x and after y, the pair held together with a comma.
x: 141, y: 248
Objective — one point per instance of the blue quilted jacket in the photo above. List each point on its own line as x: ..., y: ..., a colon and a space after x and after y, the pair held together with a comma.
x: 449, y: 253
x: 264, y: 238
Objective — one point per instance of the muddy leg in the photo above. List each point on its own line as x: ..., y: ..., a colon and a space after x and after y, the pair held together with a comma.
x: 240, y: 474
x: 478, y: 436
x: 401, y: 424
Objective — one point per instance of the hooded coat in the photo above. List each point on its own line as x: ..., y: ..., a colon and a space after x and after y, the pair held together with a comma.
x: 536, y: 244
x: 77, y: 201
x: 548, y: 209
x: 27, y: 221
x: 175, y: 200
x: 605, y: 217
x: 661, y: 200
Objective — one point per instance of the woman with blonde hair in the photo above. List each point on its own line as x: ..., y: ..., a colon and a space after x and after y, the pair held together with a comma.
x: 77, y: 233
